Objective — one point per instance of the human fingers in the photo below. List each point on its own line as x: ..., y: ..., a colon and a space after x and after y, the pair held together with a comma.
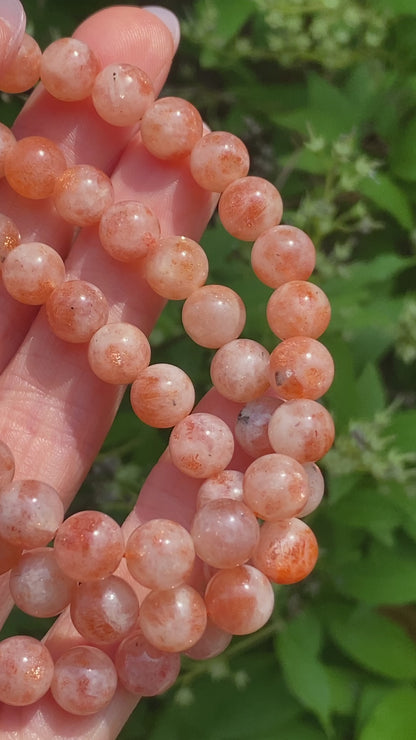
x: 12, y: 28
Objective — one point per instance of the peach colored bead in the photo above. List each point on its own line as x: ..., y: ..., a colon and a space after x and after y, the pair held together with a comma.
x: 302, y: 429
x: 218, y: 159
x: 7, y: 465
x: 30, y: 513
x: 275, y: 487
x: 212, y: 643
x: 173, y: 619
x: 227, y: 484
x: 301, y: 367
x: 38, y: 586
x: 283, y: 253
x: 175, y: 267
x: 118, y: 352
x: 170, y: 128
x: 9, y: 236
x: 32, y: 166
x: 122, y: 93
x: 128, y: 229
x: 287, y: 551
x: 143, y: 669
x: 213, y: 315
x: 26, y: 670
x: 82, y: 193
x: 201, y: 445
x: 298, y: 308
x: 84, y: 680
x: 240, y: 370
x: 31, y: 271
x: 249, y: 206
x: 68, y: 69
x: 75, y: 310
x: 316, y: 489
x: 7, y: 141
x: 225, y: 533
x: 23, y: 73
x: 251, y: 429
x: 9, y: 555
x: 162, y: 395
x: 160, y: 554
x: 239, y: 600
x: 104, y: 611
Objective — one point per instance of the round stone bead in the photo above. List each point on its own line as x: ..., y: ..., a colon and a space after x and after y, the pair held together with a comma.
x: 302, y: 429
x: 162, y: 395
x: 37, y: 584
x: 143, y: 669
x: 213, y: 315
x: 239, y: 600
x: 249, y: 206
x: 212, y: 643
x: 225, y: 533
x: 118, y: 352
x: 23, y: 72
x: 225, y: 485
x: 9, y: 555
x: 301, y: 367
x: 287, y: 551
x: 201, y: 445
x: 9, y: 236
x: 128, y: 229
x: 170, y: 128
x: 298, y: 308
x: 240, y: 370
x: 122, y: 93
x: 251, y: 429
x: 275, y: 487
x: 316, y: 489
x: 283, y: 253
x: 30, y: 513
x: 104, y: 611
x: 7, y: 141
x: 26, y: 670
x: 82, y: 193
x: 218, y: 159
x: 173, y: 619
x: 175, y: 267
x: 160, y: 554
x: 84, y: 680
x: 68, y: 69
x: 31, y: 271
x: 32, y: 166
x: 76, y: 310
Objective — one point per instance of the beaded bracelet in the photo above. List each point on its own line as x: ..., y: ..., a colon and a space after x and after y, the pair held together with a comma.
x: 281, y: 425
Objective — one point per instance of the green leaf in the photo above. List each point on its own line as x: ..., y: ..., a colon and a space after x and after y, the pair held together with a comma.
x: 231, y: 16
x: 367, y: 508
x: 389, y: 197
x: 393, y: 718
x: 372, y: 641
x: 370, y: 392
x: 344, y: 684
x: 403, y: 153
x: 297, y: 648
x: 398, y: 7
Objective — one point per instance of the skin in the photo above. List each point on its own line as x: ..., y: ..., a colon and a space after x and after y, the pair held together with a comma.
x: 55, y: 412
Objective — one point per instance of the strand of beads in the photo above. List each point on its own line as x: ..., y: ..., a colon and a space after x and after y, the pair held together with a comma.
x: 281, y: 424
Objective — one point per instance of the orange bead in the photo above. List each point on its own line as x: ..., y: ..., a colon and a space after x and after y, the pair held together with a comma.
x: 23, y: 73
x: 32, y: 166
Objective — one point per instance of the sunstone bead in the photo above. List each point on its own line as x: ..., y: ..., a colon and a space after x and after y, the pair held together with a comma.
x: 225, y: 533
x: 76, y: 310
x: 37, y: 584
x: 287, y: 551
x: 316, y: 489
x: 298, y: 308
x: 201, y: 445
x: 302, y: 429
x: 32, y: 166
x: 128, y: 229
x: 175, y: 267
x: 226, y: 484
x: 30, y: 513
x: 82, y: 193
x: 26, y: 670
x: 170, y: 128
x: 143, y: 669
x: 9, y: 236
x: 248, y: 206
x: 240, y: 370
x: 122, y: 93
x: 239, y: 600
x: 84, y: 680
x: 104, y: 611
x: 162, y: 395
x: 301, y: 367
x: 212, y: 643
x: 213, y: 315
x: 275, y: 487
x: 23, y: 72
x: 218, y: 159
x: 251, y: 429
x: 31, y: 271
x: 283, y: 253
x: 68, y: 69
x: 173, y: 619
x: 118, y: 352
x: 7, y: 141
x: 160, y: 554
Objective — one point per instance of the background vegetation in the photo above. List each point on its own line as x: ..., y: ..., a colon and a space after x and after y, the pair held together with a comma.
x: 324, y: 94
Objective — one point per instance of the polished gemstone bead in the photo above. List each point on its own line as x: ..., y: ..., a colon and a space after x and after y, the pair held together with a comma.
x: 213, y: 315
x: 225, y: 533
x: 105, y: 610
x: 298, y: 308
x: 226, y: 484
x: 32, y: 166
x: 239, y: 600
x: 30, y: 513
x: 251, y: 429
x: 82, y: 193
x: 275, y: 487
x: 84, y: 680
x: 118, y: 352
x: 248, y: 206
x: 218, y: 159
x: 301, y: 367
x: 26, y: 670
x: 287, y: 551
x: 173, y: 619
x: 175, y: 267
x: 37, y: 584
x: 212, y: 643
x: 201, y: 445
x: 240, y: 370
x: 160, y: 554
x: 128, y: 229
x: 170, y: 128
x: 143, y: 669
x: 162, y: 395
x: 68, y: 69
x: 7, y: 141
x: 302, y: 429
x: 23, y: 72
x: 283, y: 253
x: 76, y: 310
x: 9, y: 237
x: 122, y: 93
x: 31, y: 271
x: 316, y: 489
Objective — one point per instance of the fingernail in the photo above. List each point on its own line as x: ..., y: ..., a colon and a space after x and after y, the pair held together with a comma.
x: 168, y: 18
x: 14, y: 24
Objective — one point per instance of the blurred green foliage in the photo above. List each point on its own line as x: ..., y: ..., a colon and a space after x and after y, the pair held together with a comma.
x: 324, y: 94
